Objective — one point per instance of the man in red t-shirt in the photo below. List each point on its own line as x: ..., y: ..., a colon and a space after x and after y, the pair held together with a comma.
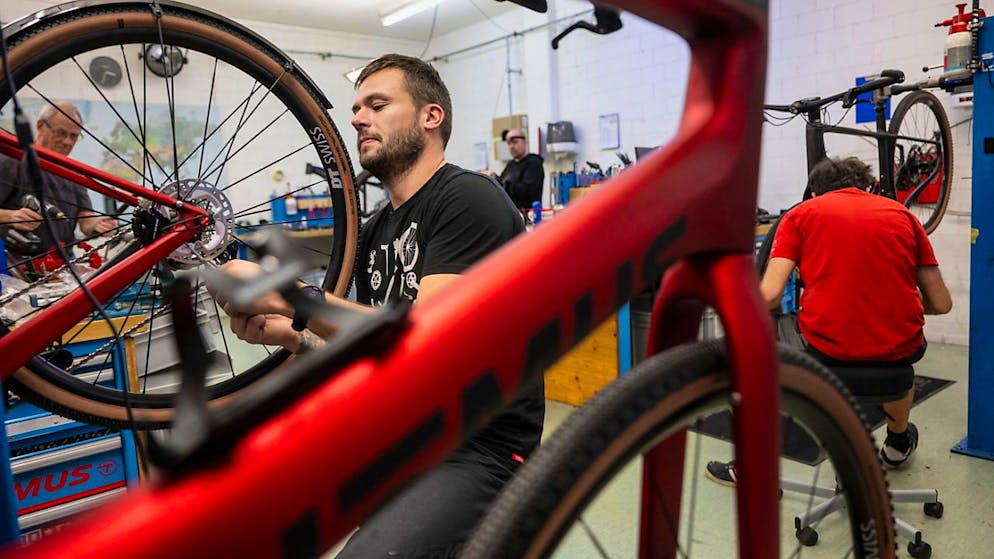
x: 870, y: 276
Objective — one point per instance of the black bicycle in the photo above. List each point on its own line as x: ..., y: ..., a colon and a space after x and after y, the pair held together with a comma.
x: 915, y: 151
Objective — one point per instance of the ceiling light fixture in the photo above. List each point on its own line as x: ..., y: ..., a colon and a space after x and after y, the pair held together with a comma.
x: 406, y: 10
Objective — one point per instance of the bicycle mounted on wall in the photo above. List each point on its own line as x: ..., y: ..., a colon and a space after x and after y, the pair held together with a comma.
x: 914, y: 153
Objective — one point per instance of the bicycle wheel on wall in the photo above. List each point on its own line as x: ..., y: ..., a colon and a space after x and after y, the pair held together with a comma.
x: 579, y: 495
x: 923, y: 157
x: 207, y: 112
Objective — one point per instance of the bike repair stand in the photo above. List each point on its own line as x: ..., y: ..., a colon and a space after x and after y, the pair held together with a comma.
x: 979, y: 440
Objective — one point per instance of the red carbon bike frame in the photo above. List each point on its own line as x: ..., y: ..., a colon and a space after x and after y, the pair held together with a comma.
x: 322, y: 465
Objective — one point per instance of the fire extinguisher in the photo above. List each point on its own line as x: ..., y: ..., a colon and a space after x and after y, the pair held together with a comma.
x: 958, y: 52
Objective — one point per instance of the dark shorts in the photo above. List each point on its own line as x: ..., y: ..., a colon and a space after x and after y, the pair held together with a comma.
x: 830, y: 361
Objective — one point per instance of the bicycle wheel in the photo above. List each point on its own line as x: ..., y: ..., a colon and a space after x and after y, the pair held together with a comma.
x: 923, y: 157
x: 207, y: 112
x: 553, y: 506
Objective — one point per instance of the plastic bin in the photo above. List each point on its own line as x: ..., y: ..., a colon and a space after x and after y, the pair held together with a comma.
x: 163, y: 347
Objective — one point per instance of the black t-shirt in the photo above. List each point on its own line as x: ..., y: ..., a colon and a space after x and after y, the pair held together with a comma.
x: 457, y: 218
x: 523, y: 180
x: 67, y: 196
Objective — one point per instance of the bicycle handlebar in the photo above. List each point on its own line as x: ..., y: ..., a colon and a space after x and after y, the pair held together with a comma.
x: 848, y: 97
x: 887, y: 78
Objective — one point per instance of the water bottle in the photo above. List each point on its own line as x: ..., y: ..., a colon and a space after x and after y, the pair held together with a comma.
x: 290, y: 201
x: 536, y: 212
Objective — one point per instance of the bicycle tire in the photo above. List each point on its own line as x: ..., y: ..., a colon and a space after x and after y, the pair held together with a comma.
x: 67, y: 32
x: 908, y: 171
x: 648, y: 404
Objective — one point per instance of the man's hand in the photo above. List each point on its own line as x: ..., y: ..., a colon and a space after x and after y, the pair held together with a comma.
x: 266, y: 320
x: 23, y: 219
x: 488, y: 173
x: 105, y: 225
x: 268, y: 329
x: 91, y: 222
x: 269, y: 303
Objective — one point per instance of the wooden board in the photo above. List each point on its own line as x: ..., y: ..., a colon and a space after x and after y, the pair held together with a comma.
x: 587, y: 368
x: 98, y: 329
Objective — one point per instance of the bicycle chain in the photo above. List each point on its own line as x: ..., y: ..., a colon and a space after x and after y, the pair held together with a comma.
x: 102, y: 349
x: 86, y: 359
x: 44, y: 279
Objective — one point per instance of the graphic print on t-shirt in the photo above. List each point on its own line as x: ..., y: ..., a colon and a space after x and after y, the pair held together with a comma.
x: 395, y: 263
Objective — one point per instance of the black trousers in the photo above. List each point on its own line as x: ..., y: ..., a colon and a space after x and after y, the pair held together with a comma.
x: 431, y: 518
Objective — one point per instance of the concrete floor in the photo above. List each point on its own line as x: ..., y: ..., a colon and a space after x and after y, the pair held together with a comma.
x: 965, y: 485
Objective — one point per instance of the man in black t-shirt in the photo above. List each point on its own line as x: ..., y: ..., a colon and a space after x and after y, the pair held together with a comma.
x: 523, y: 176
x: 440, y: 221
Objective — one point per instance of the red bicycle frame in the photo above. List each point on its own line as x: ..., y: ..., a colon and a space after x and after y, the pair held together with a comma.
x: 30, y: 338
x: 309, y: 475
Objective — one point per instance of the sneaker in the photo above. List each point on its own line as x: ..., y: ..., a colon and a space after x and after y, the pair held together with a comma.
x: 722, y: 473
x: 893, y: 458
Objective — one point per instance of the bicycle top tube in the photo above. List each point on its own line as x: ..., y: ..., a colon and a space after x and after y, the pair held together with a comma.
x: 360, y: 436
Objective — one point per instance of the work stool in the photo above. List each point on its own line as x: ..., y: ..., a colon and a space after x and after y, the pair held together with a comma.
x: 869, y: 386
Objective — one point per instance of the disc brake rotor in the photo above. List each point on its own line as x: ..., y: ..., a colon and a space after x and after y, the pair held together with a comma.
x: 214, y: 239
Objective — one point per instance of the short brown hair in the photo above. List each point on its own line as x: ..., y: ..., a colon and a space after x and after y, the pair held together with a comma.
x: 422, y: 82
x: 837, y: 173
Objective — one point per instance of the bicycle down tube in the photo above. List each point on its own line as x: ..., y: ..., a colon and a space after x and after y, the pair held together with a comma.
x: 360, y: 436
x: 29, y: 339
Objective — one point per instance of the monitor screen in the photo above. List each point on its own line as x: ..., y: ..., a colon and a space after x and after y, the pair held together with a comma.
x: 641, y: 152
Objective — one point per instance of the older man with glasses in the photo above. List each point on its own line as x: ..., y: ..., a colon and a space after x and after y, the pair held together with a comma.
x: 59, y: 129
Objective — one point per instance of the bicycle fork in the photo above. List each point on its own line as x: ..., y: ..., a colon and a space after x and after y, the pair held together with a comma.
x: 727, y: 282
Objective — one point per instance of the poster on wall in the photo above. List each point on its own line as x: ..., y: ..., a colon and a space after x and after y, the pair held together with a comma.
x: 112, y: 141
x: 480, y: 161
x: 610, y: 135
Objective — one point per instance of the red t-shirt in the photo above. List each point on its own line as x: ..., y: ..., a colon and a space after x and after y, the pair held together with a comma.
x: 858, y: 254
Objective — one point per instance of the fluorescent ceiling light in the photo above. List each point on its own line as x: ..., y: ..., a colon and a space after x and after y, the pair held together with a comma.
x: 406, y: 10
x: 353, y: 74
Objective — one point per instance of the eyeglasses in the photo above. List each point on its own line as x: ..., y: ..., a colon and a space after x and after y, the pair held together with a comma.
x: 514, y: 138
x: 61, y: 133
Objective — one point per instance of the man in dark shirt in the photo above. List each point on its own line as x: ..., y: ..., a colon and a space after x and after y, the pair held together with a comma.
x: 441, y: 220
x: 523, y: 177
x: 59, y: 126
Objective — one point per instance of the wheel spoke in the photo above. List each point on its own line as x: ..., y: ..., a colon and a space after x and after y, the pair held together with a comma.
x: 249, y: 142
x: 113, y: 109
x: 266, y: 166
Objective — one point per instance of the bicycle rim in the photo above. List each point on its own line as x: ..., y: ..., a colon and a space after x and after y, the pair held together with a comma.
x: 217, y: 145
x: 589, y: 469
x: 922, y: 175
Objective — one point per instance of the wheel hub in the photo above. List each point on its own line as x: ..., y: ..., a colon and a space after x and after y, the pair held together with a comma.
x: 212, y: 241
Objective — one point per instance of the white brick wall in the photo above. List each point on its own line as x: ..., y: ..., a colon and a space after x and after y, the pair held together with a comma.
x: 817, y: 47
